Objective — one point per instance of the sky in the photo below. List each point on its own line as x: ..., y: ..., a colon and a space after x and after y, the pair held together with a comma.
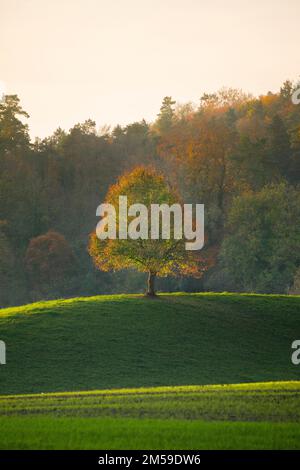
x: 113, y: 61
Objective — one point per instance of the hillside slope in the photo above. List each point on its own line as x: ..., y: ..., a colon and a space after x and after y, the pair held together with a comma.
x: 130, y: 341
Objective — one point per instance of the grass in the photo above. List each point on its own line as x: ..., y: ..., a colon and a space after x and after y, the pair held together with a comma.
x: 96, y: 433
x: 129, y: 341
x: 271, y: 401
x: 246, y: 416
x: 127, y: 372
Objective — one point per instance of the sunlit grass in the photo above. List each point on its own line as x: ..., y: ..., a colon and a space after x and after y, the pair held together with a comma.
x: 273, y: 401
x: 239, y: 416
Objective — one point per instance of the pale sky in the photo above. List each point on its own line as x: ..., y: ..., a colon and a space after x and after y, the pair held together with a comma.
x: 113, y: 61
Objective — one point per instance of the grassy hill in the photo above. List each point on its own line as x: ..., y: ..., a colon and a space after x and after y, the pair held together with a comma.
x: 130, y: 341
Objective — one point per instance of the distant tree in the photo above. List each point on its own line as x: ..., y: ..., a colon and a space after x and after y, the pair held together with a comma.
x: 279, y: 146
x: 166, y: 115
x: 7, y: 266
x: 225, y: 97
x: 251, y: 164
x: 198, y: 152
x: 261, y: 250
x: 294, y: 170
x: 158, y: 257
x: 135, y: 143
x: 13, y: 132
x: 49, y: 261
x: 286, y: 90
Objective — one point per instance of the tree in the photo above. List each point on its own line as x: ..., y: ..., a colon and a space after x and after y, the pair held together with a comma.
x: 13, y: 133
x: 261, y: 250
x: 160, y: 257
x: 165, y: 117
x: 197, y: 151
x: 286, y: 90
x: 280, y: 148
x: 7, y: 267
x: 49, y: 261
x: 251, y: 166
x: 294, y: 170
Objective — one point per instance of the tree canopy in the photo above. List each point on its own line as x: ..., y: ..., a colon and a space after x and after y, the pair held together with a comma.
x: 157, y: 257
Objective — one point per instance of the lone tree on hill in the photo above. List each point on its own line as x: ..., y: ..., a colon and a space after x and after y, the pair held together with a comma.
x: 157, y: 257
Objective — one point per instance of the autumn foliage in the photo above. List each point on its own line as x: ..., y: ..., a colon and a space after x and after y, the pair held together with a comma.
x: 224, y: 147
x: 49, y: 259
x: 159, y: 257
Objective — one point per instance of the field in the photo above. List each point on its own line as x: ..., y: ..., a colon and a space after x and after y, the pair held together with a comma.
x: 262, y: 415
x: 75, y: 369
x: 129, y: 341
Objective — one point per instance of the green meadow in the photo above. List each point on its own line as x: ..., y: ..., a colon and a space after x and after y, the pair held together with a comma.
x: 246, y: 416
x: 130, y: 341
x: 192, y: 371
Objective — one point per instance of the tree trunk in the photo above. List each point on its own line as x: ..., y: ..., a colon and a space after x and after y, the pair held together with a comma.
x: 150, y: 285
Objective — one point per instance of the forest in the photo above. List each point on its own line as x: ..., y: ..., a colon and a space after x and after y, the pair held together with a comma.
x: 237, y: 154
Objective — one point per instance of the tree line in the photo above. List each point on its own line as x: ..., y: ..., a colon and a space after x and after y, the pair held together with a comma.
x: 237, y: 154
